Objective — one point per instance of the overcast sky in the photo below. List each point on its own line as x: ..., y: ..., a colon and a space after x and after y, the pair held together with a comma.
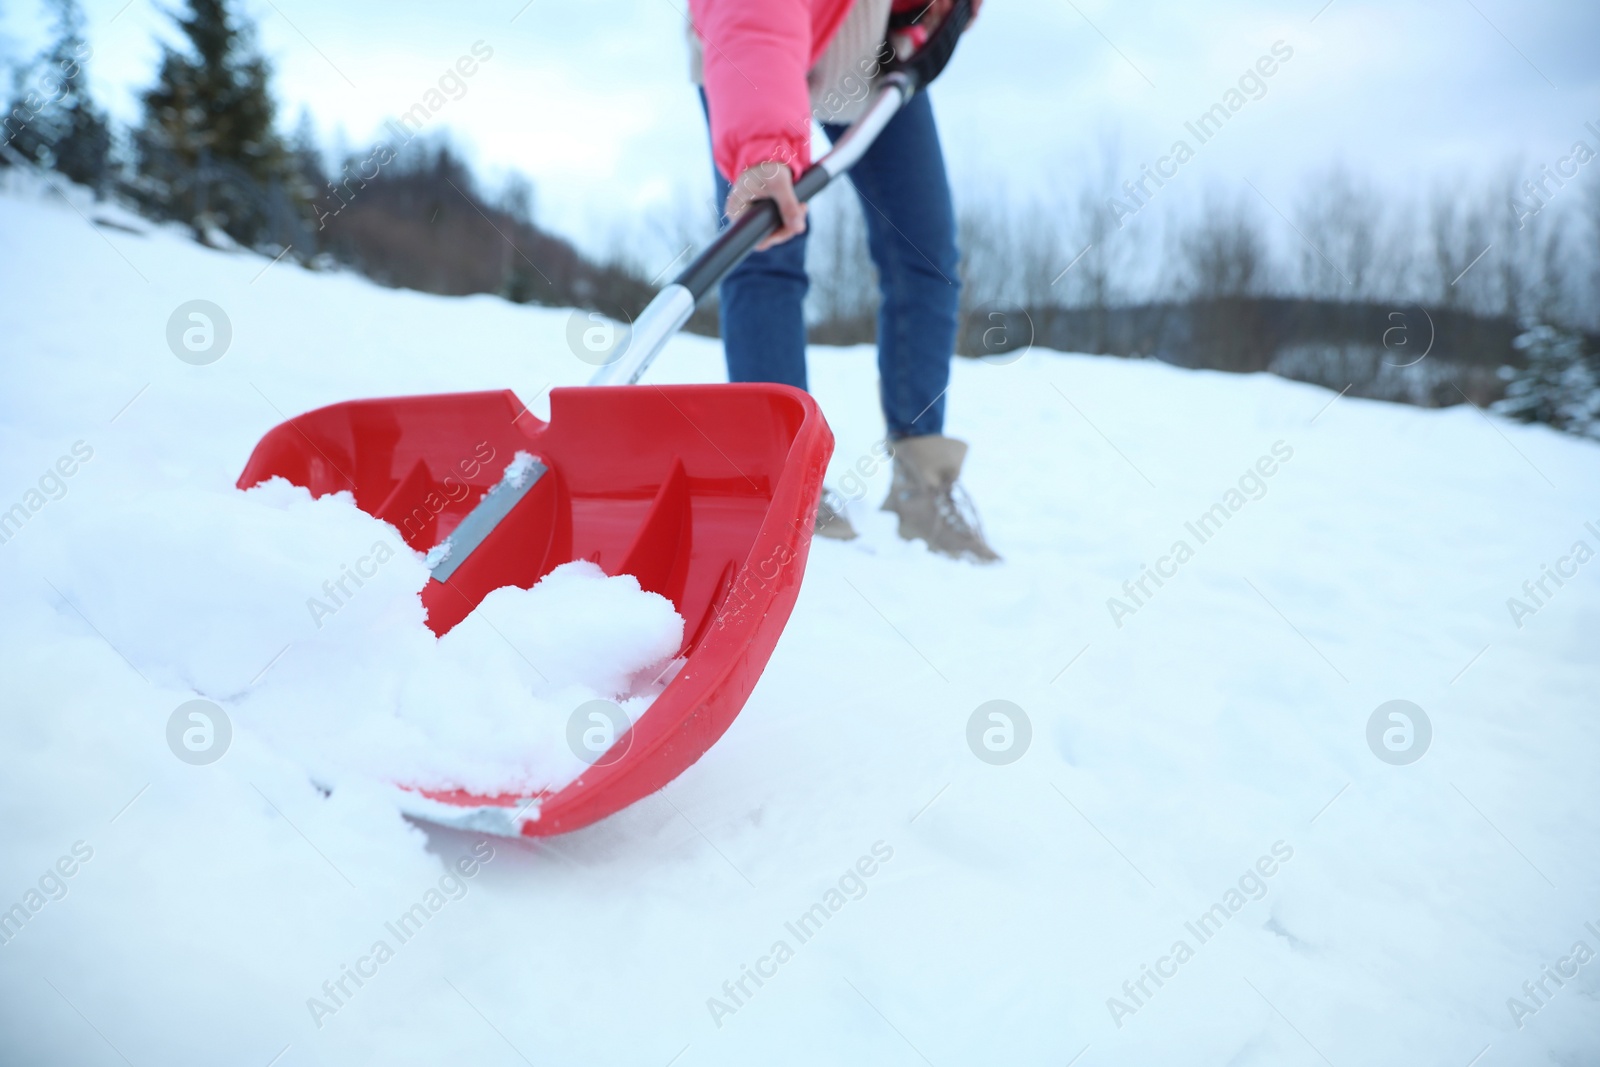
x: 591, y: 99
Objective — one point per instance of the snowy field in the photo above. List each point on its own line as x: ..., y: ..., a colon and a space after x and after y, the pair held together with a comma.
x: 1198, y: 857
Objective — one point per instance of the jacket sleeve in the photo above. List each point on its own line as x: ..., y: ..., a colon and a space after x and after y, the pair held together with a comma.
x: 756, y: 58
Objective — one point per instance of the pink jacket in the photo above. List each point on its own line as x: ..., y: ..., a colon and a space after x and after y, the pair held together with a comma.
x: 757, y: 53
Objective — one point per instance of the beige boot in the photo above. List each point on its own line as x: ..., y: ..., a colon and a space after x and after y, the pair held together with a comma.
x: 831, y: 519
x: 930, y: 504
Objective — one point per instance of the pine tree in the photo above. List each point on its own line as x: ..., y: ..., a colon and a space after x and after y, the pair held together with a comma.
x: 1559, y: 385
x: 18, y: 131
x: 208, y: 152
x: 82, y: 150
x: 51, y: 118
x: 306, y: 152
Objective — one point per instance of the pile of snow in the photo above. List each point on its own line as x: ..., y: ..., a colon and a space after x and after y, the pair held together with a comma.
x: 847, y: 876
x: 304, y: 618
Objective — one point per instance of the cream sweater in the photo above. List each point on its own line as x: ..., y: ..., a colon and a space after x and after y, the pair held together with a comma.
x: 839, y: 80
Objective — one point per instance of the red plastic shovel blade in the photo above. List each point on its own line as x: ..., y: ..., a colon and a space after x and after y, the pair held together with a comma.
x: 705, y: 493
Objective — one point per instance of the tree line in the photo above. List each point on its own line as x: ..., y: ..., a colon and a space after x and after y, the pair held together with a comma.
x: 208, y: 150
x: 1494, y: 284
x: 1478, y: 289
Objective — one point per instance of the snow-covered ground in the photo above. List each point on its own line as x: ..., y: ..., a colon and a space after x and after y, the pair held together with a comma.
x: 841, y: 879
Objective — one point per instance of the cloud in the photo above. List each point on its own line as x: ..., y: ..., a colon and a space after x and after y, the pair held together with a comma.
x: 593, y: 102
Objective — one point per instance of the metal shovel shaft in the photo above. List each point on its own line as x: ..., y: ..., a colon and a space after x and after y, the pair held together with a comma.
x: 672, y: 306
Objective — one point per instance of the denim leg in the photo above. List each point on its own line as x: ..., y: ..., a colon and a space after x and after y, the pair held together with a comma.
x: 911, y: 234
x: 763, y: 309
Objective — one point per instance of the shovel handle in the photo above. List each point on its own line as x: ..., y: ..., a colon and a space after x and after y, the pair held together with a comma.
x: 761, y: 219
x: 901, y: 80
x: 672, y: 306
x: 758, y: 221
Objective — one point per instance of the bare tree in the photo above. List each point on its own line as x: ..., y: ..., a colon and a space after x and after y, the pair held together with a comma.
x: 1098, y: 247
x: 1458, y: 241
x: 672, y: 233
x: 988, y: 263
x: 1523, y: 281
x: 1037, y: 228
x: 517, y: 198
x: 1550, y: 300
x: 1588, y: 312
x: 1340, y: 217
x: 1222, y: 252
x: 843, y: 299
x: 1219, y: 263
x: 1400, y: 271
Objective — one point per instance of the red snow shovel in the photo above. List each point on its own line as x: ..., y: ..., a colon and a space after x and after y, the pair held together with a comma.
x: 705, y: 493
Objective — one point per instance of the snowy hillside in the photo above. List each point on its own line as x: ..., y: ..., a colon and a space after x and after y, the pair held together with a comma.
x: 1198, y: 858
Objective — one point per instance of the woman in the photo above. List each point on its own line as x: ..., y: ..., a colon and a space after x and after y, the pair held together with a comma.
x: 766, y: 70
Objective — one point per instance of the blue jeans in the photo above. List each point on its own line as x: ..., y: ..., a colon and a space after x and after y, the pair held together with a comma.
x: 911, y: 235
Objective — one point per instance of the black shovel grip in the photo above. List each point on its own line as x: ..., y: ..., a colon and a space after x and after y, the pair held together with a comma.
x: 758, y: 222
